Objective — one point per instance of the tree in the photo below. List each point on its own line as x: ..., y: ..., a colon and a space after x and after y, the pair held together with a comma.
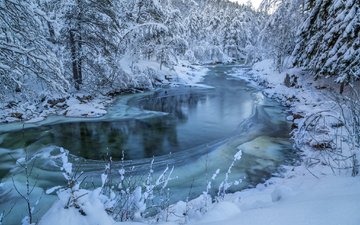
x: 26, y: 55
x: 151, y: 31
x: 329, y: 40
x: 90, y: 35
x: 278, y: 36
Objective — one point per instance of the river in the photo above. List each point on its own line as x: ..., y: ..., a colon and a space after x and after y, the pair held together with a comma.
x: 195, y: 130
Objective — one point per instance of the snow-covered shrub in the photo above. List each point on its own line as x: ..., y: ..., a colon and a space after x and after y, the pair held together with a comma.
x: 184, y: 211
x: 130, y: 198
x: 350, y: 115
x: 70, y: 193
x: 333, y: 138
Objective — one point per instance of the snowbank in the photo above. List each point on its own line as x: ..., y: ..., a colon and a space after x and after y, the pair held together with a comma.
x: 303, y: 199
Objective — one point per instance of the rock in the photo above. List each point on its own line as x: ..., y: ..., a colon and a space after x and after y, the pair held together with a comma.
x: 85, y: 98
x: 323, y: 145
x: 54, y: 102
x: 297, y: 116
x: 62, y: 105
x: 292, y: 98
x: 294, y: 126
x: 291, y: 81
x: 11, y: 104
x: 264, y: 83
x: 17, y: 115
x: 168, y: 77
x: 117, y: 92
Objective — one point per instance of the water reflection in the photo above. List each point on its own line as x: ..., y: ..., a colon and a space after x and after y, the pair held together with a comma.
x: 137, y: 138
x: 176, y: 102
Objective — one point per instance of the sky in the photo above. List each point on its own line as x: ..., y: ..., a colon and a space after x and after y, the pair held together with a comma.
x: 255, y: 3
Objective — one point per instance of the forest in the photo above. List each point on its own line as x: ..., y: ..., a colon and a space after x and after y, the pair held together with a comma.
x: 83, y: 74
x: 57, y: 48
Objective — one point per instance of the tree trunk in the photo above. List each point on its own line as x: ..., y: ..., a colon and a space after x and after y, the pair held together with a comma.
x: 51, y: 32
x: 79, y: 44
x: 79, y: 59
x: 74, y: 59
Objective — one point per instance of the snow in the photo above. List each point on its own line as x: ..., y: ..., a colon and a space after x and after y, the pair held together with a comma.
x: 181, y: 74
x: 94, y: 108
x: 35, y: 119
x: 219, y: 213
x: 90, y: 203
x: 331, y: 200
x: 190, y: 74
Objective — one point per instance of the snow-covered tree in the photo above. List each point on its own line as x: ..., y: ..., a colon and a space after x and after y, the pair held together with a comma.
x: 89, y: 43
x: 27, y: 60
x: 329, y: 40
x: 89, y: 34
x: 240, y: 33
x: 221, y: 31
x: 278, y: 36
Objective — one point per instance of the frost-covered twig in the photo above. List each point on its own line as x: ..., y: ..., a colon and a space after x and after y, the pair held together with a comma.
x: 225, y: 184
x: 27, y: 166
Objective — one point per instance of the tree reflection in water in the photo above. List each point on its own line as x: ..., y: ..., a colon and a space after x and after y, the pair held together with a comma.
x: 170, y: 101
x: 138, y: 138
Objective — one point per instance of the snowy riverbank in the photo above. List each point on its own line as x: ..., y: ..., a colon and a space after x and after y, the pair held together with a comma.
x: 92, y: 104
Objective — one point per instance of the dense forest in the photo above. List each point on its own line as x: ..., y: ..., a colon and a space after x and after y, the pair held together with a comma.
x: 51, y: 48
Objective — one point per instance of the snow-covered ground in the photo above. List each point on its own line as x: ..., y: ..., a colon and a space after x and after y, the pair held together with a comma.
x: 312, y: 194
x: 302, y: 199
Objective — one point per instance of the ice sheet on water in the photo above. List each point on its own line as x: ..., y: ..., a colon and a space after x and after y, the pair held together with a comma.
x: 263, y: 147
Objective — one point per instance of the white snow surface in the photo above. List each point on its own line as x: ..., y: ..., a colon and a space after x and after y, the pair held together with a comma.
x: 90, y: 202
x: 303, y: 199
x: 303, y: 195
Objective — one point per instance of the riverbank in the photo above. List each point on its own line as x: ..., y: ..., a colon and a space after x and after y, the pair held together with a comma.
x: 84, y: 104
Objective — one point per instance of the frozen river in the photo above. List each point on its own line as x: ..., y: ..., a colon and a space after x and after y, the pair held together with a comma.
x: 196, y: 130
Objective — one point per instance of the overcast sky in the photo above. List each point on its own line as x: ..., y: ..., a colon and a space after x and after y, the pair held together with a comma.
x: 255, y: 3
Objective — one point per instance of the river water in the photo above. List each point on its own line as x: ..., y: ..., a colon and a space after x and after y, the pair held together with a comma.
x: 196, y: 130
